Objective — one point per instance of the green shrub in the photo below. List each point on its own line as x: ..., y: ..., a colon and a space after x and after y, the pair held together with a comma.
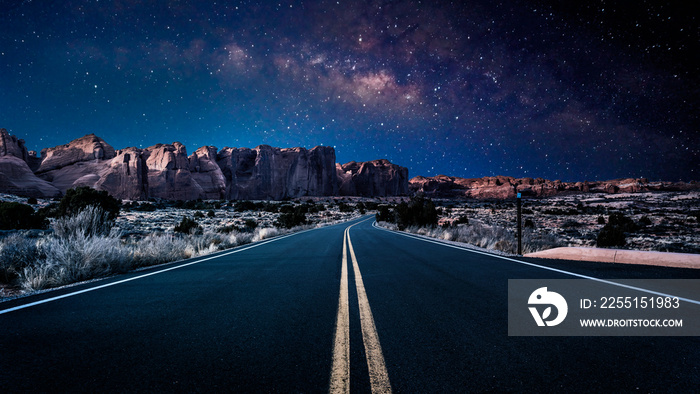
x: 620, y: 220
x: 463, y: 219
x: 289, y: 220
x: 419, y: 211
x: 645, y: 221
x: 16, y: 216
x: 79, y: 198
x: 250, y: 224
x: 187, y: 226
x: 611, y: 235
x: 384, y: 214
x: 343, y: 207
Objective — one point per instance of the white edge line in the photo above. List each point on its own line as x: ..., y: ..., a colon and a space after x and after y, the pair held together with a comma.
x: 374, y: 224
x: 19, y: 307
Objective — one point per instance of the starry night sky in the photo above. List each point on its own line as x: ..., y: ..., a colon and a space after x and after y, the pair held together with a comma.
x: 590, y: 91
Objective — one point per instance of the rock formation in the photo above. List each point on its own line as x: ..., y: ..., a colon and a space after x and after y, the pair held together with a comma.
x: 207, y: 174
x: 272, y: 173
x: 502, y: 187
x: 85, y: 149
x: 16, y: 177
x: 377, y: 178
x: 169, y: 175
x: 165, y: 171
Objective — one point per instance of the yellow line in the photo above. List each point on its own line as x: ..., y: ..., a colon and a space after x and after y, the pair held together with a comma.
x: 340, y: 371
x: 378, y: 375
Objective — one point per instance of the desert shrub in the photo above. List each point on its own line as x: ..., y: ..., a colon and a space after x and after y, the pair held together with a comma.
x: 187, y: 226
x: 289, y: 220
x: 14, y: 215
x: 644, y: 221
x: 198, y: 215
x: 264, y: 233
x: 462, y: 219
x: 79, y: 198
x: 618, y: 219
x: 17, y: 252
x: 158, y: 249
x: 75, y: 259
x: 611, y: 235
x: 32, y: 201
x: 229, y: 228
x: 145, y: 207
x: 91, y: 221
x: 419, y: 211
x: 211, y: 213
x: 601, y: 220
x: 529, y: 223
x: 346, y: 208
x: 384, y: 214
x: 250, y: 224
x: 361, y: 208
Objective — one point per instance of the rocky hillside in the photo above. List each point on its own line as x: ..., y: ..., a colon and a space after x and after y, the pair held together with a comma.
x: 503, y: 187
x: 166, y: 171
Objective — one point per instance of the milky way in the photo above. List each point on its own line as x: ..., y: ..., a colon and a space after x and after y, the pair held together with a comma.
x: 522, y: 88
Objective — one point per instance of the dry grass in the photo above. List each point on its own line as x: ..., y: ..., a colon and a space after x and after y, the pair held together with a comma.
x: 485, y: 236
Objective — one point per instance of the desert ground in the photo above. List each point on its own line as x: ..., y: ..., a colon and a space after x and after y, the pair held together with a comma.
x: 667, y: 221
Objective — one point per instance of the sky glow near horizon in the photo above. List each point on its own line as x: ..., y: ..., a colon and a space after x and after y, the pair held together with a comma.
x: 474, y: 88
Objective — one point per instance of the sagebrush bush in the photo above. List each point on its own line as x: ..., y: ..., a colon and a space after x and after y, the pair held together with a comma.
x: 17, y: 252
x: 91, y: 221
x: 74, y: 259
x: 159, y: 248
x: 265, y: 233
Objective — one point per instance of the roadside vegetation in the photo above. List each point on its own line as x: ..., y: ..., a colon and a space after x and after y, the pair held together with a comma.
x: 77, y: 238
x: 420, y: 216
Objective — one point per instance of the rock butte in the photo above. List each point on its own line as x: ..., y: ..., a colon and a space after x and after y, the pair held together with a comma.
x: 165, y: 171
x: 504, y: 187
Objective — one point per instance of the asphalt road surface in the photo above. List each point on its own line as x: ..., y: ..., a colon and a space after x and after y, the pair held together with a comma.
x: 332, y: 309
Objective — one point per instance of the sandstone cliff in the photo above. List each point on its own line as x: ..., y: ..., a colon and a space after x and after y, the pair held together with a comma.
x: 377, y: 178
x: 273, y: 173
x: 166, y: 171
x: 16, y: 177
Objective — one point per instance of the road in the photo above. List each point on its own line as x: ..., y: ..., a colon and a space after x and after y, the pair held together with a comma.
x: 345, y: 307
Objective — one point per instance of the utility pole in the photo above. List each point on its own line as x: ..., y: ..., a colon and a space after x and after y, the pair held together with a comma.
x: 520, y: 223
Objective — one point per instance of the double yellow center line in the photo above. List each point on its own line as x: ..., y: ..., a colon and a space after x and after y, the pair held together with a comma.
x: 340, y: 371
